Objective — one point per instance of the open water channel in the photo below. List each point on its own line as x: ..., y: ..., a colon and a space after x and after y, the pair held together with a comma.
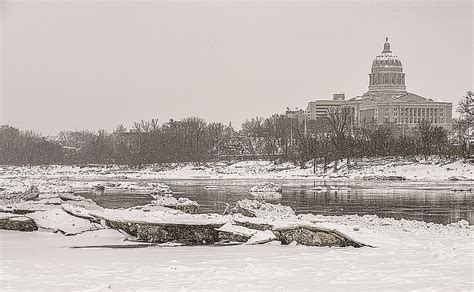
x: 416, y: 200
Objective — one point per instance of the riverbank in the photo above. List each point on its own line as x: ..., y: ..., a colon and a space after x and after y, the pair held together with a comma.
x: 72, y: 253
x: 374, y: 168
x: 411, y: 255
x: 433, y: 169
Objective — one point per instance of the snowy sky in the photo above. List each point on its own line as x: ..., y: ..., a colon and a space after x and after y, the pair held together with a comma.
x: 95, y: 64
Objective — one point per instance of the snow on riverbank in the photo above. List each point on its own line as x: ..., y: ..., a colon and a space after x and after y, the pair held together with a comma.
x: 417, y: 256
x: 21, y: 178
x: 407, y: 254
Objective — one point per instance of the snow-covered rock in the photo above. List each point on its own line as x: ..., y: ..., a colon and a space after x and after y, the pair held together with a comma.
x: 254, y: 208
x: 314, y: 236
x: 10, y: 221
x: 267, y: 192
x: 56, y: 220
x: 237, y: 233
x: 234, y: 233
x: 261, y: 237
x: 267, y: 188
x: 161, y: 227
x: 183, y: 204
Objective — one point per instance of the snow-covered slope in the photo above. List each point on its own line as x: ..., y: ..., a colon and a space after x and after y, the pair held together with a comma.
x: 63, y: 178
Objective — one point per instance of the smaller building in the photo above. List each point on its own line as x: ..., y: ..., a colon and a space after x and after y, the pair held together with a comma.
x: 298, y: 114
x: 319, y: 108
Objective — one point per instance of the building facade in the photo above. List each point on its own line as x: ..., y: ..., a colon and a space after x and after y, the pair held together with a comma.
x: 297, y: 114
x: 387, y: 100
x: 319, y: 108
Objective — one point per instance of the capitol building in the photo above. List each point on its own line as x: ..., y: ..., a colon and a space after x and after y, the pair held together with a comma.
x: 387, y: 100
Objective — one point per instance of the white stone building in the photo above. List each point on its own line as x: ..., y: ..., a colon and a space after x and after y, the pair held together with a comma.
x: 387, y: 100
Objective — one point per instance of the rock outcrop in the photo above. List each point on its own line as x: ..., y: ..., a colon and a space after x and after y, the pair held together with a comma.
x: 314, y: 236
x: 187, y: 234
x: 17, y: 222
x: 163, y: 221
x: 286, y: 226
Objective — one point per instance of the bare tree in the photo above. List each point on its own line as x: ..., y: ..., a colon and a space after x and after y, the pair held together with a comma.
x: 253, y: 127
x: 466, y: 111
x: 461, y: 139
x: 339, y: 119
x: 466, y: 107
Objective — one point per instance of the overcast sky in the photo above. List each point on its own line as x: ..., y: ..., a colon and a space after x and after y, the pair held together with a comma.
x: 96, y: 64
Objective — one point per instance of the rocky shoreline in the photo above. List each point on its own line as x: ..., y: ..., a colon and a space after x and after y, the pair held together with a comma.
x: 165, y: 220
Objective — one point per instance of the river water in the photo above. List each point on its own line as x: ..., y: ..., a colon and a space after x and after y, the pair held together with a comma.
x: 425, y: 201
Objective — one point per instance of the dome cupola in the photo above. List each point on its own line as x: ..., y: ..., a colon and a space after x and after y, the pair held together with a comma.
x: 387, y: 72
x: 386, y: 47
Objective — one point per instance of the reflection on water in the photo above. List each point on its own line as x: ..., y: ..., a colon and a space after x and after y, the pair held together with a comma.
x: 426, y: 201
x: 119, y: 200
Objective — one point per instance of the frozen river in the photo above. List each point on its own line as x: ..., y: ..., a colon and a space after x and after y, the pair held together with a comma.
x: 415, y: 200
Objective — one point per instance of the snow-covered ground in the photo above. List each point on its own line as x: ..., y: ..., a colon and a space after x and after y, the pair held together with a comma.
x: 407, y: 255
x: 53, y: 178
x: 410, y: 255
x: 433, y: 169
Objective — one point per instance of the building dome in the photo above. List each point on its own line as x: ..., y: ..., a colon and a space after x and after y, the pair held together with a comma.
x: 387, y: 72
x: 386, y: 60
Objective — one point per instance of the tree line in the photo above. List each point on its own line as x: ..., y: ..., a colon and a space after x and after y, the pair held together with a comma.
x: 330, y: 139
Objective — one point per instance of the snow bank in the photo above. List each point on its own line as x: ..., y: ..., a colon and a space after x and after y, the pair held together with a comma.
x: 438, y: 259
x: 28, y: 185
x: 19, y: 179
